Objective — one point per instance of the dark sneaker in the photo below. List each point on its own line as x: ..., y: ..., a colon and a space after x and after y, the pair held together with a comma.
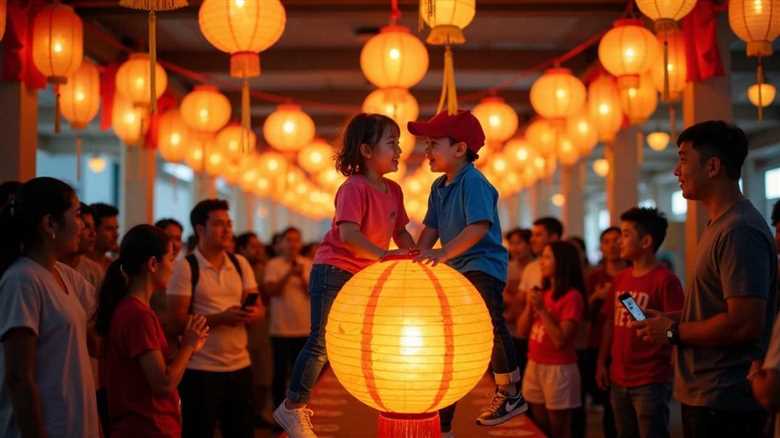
x: 502, y: 408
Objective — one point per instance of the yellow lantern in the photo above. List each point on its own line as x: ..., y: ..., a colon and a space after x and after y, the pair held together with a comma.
x: 558, y: 200
x: 639, y: 102
x: 601, y: 167
x: 757, y: 22
x: 581, y: 130
x: 272, y: 164
x: 330, y: 178
x: 665, y: 13
x: 201, y: 144
x: 519, y: 153
x: 215, y: 159
x: 658, y: 141
x: 627, y: 51
x: 604, y: 107
x: 133, y: 82
x: 288, y: 128
x: 97, y: 164
x: 543, y: 136
x: 396, y: 103
x: 672, y: 82
x: 205, y: 109
x: 173, y: 136
x: 447, y: 19
x: 498, y: 120
x: 128, y: 121
x: 80, y: 95
x: 263, y: 186
x: 235, y: 140
x: 57, y: 42
x: 403, y: 337
x: 557, y: 94
x: 316, y: 157
x: 567, y: 152
x: 407, y: 142
x: 394, y: 58
x: 765, y: 97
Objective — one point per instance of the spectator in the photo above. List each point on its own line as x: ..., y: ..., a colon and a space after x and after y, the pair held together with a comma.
x: 174, y: 230
x: 249, y: 246
x: 78, y: 260
x: 190, y: 244
x: 310, y: 249
x: 8, y: 190
x: 106, y: 233
x: 579, y: 243
x: 520, y: 255
x: 159, y: 301
x: 543, y: 231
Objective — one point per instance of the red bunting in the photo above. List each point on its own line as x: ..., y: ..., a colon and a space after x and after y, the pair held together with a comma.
x: 700, y: 28
x: 17, y: 44
x: 107, y: 90
x: 164, y: 103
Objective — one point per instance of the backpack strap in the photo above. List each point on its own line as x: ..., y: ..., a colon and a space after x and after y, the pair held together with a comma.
x: 194, y: 276
x: 234, y: 260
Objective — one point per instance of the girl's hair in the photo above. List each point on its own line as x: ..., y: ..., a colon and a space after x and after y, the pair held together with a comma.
x: 139, y: 244
x: 20, y: 217
x: 568, y: 269
x: 362, y: 129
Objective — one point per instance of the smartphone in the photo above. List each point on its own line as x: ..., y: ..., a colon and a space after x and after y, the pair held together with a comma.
x: 250, y: 300
x: 633, y: 308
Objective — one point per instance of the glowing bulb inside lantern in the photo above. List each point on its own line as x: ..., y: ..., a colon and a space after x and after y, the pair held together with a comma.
x: 499, y: 165
x: 522, y: 154
x: 670, y: 67
x: 130, y: 118
x: 394, y: 54
x: 316, y: 157
x: 629, y: 54
x: 288, y: 127
x: 632, y: 92
x: 56, y: 46
x: 411, y: 340
x: 203, y: 114
x: 97, y: 164
x: 558, y: 200
x: 215, y: 159
x: 139, y: 82
x: 494, y: 120
x: 560, y: 93
x: 240, y: 3
x: 273, y: 165
x: 604, y: 108
x: 80, y: 96
x: 175, y: 138
x: 583, y: 127
x: 601, y: 167
x: 758, y: 7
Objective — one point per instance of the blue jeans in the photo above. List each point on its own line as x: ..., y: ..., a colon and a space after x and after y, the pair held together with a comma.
x: 325, y: 282
x: 643, y: 411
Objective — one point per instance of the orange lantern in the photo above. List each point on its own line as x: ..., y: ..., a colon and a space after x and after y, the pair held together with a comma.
x: 639, y: 102
x: 128, y: 121
x: 757, y: 22
x: 394, y: 58
x: 407, y: 142
x: 173, y: 136
x: 288, y: 128
x: 3, y: 14
x: 543, y: 136
x: 205, y: 109
x: 396, y: 103
x: 557, y: 94
x: 658, y: 140
x: 263, y: 186
x: 235, y: 140
x: 498, y: 120
x: 665, y: 13
x: 57, y: 42
x: 272, y: 164
x: 581, y: 130
x: 627, y: 51
x: 604, y: 107
x: 133, y: 81
x: 567, y: 153
x: 316, y: 157
x: 405, y: 338
x: 765, y: 97
x: 447, y: 19
x: 601, y: 167
x: 519, y: 153
x: 80, y: 95
x: 330, y: 179
x: 671, y: 82
x: 200, y: 145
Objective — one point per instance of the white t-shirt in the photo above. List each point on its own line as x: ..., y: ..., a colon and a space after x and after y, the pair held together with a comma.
x: 31, y: 297
x: 290, y: 311
x: 532, y: 276
x: 226, y: 347
x: 91, y: 270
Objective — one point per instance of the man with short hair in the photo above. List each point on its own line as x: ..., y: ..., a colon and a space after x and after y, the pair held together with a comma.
x: 217, y: 385
x: 106, y: 233
x: 174, y: 230
x: 92, y: 271
x: 544, y: 230
x: 728, y: 311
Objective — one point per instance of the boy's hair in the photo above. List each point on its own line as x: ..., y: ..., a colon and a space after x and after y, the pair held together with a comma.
x: 102, y: 211
x: 551, y: 224
x: 716, y: 138
x: 523, y: 233
x: 86, y: 211
x: 648, y: 221
x: 289, y: 230
x: 200, y: 213
x: 362, y: 129
x: 471, y: 156
x: 609, y: 230
x: 167, y: 222
x: 776, y: 214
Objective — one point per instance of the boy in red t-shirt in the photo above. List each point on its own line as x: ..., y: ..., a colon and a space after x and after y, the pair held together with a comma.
x: 640, y: 374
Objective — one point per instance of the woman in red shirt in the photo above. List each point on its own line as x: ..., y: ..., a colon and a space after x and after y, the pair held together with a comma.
x: 141, y: 380
x: 551, y: 384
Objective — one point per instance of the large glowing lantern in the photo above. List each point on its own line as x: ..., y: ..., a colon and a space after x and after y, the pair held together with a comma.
x: 498, y: 119
x: 447, y: 19
x: 394, y: 58
x: 272, y: 164
x: 173, y: 136
x: 407, y: 142
x: 396, y: 103
x: 407, y: 338
x: 673, y: 82
x: 757, y: 22
x: 316, y: 157
x: 604, y: 107
x: 627, y: 51
x: 765, y: 98
x: 128, y: 121
x: 665, y: 13
x: 567, y: 153
x: 543, y: 136
x: 133, y: 81
x: 57, y: 42
x: 205, y: 109
x: 288, y: 128
x: 557, y: 94
x: 80, y: 95
x: 658, y: 140
x: 235, y: 140
x: 519, y: 153
x: 581, y: 130
x: 639, y: 102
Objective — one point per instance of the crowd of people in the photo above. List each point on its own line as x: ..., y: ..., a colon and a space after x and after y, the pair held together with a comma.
x: 161, y: 337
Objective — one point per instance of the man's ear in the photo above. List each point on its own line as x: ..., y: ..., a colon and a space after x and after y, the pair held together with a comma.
x: 646, y: 241
x: 712, y: 166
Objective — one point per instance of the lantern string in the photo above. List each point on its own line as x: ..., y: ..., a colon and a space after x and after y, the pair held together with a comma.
x: 760, y: 81
x: 449, y: 94
x: 395, y: 12
x: 152, y: 61
x: 78, y: 157
x: 57, y: 109
x: 666, y: 66
x: 245, y: 116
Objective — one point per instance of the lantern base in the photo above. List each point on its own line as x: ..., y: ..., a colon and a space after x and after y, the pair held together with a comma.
x: 392, y: 425
x: 759, y: 48
x: 446, y: 35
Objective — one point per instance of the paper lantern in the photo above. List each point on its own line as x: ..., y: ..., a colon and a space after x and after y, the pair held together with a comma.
x: 128, y: 121
x: 57, y: 42
x: 665, y: 13
x: 288, y: 128
x: 133, y: 81
x: 676, y: 66
x: 604, y: 107
x: 639, y: 103
x: 557, y: 94
x: 407, y: 338
x: 757, y: 22
x: 197, y: 155
x: 249, y: 172
x: 658, y: 141
x: 394, y: 58
x: 601, y: 167
x: 543, y: 136
x: 407, y: 142
x: 214, y: 158
x: 498, y: 120
x: 499, y: 165
x: 80, y: 95
x: 316, y: 157
x: 763, y: 99
x: 205, y: 109
x: 330, y: 179
x: 194, y: 157
x: 519, y: 153
x: 567, y: 153
x: 3, y: 14
x: 581, y: 130
x: 558, y: 200
x: 272, y: 164
x: 236, y: 141
x: 173, y: 136
x: 231, y: 172
x: 97, y: 164
x: 447, y: 19
x: 263, y: 186
x: 627, y: 51
x: 396, y: 103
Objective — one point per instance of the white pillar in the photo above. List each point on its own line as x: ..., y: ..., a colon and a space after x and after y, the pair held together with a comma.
x: 623, y: 178
x: 138, y: 171
x: 204, y: 186
x: 572, y: 185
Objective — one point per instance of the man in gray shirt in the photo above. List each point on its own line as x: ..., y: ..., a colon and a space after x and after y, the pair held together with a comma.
x: 730, y: 304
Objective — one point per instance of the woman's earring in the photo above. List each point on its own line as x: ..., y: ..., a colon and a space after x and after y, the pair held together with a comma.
x: 53, y: 236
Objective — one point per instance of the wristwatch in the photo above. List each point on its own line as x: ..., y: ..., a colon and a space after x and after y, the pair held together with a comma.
x: 672, y: 334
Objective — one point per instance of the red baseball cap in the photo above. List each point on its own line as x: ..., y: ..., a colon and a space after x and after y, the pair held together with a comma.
x: 462, y: 126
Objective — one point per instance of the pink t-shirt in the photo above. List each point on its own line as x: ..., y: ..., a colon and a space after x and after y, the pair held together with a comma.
x: 569, y: 307
x: 379, y: 215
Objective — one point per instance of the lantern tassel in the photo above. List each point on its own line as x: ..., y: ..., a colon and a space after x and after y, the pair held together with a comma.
x: 760, y: 80
x: 666, y: 67
x: 408, y: 425
x: 245, y: 116
x: 57, y: 109
x: 78, y: 158
x: 448, y: 90
x: 152, y: 61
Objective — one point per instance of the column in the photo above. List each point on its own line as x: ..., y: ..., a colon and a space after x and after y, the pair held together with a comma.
x: 244, y: 211
x: 136, y: 196
x: 204, y: 186
x: 623, y: 178
x: 19, y: 126
x: 572, y: 185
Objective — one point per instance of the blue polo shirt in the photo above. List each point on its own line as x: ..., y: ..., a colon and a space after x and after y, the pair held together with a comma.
x: 469, y: 199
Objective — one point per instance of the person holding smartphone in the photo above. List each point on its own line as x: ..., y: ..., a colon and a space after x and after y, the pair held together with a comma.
x: 640, y: 373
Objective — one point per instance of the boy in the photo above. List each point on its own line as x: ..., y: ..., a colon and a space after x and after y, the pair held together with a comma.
x: 640, y: 374
x: 462, y: 213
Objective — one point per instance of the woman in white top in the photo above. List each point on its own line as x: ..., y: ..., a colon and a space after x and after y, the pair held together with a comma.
x: 47, y: 389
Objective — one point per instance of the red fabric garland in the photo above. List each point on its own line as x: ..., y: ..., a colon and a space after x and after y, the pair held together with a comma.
x: 17, y: 44
x: 107, y: 90
x: 164, y: 103
x: 700, y: 29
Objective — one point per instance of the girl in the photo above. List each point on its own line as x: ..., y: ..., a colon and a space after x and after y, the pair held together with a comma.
x: 141, y: 386
x: 48, y: 388
x: 369, y: 212
x: 552, y: 380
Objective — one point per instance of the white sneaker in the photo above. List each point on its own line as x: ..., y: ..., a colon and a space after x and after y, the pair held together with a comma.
x: 449, y: 434
x: 296, y: 422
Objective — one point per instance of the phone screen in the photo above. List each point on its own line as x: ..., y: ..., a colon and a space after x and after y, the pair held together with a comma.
x: 633, y: 308
x: 250, y: 300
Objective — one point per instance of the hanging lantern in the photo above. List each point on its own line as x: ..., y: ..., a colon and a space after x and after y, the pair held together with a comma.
x: 658, y: 140
x: 128, y: 121
x: 330, y: 178
x: 519, y: 153
x: 201, y: 143
x: 249, y: 171
x: 498, y: 120
x: 557, y: 94
x: 627, y: 51
x: 233, y: 139
x: 604, y: 107
x: 288, y: 128
x: 394, y: 58
x: 582, y: 132
x: 499, y: 165
x: 173, y: 136
x: 396, y: 103
x: 671, y: 82
x: 601, y: 167
x: 3, y: 15
x: 80, y: 95
x: 407, y: 142
x: 205, y: 109
x: 231, y: 172
x: 639, y: 103
x: 272, y: 164
x: 665, y: 13
x: 263, y: 186
x: 447, y: 19
x: 194, y: 157
x: 567, y: 153
x: 133, y: 81
x: 543, y: 136
x: 97, y: 164
x: 765, y: 97
x: 215, y: 158
x: 316, y: 157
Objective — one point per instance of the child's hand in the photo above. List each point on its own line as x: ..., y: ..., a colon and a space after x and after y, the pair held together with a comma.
x: 431, y: 256
x: 396, y: 253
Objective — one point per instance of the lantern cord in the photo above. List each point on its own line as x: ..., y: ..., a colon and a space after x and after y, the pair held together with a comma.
x: 78, y: 157
x: 449, y: 92
x: 395, y: 12
x: 760, y: 81
x: 666, y: 66
x: 246, y: 116
x: 152, y: 61
x: 672, y: 121
x: 57, y: 109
